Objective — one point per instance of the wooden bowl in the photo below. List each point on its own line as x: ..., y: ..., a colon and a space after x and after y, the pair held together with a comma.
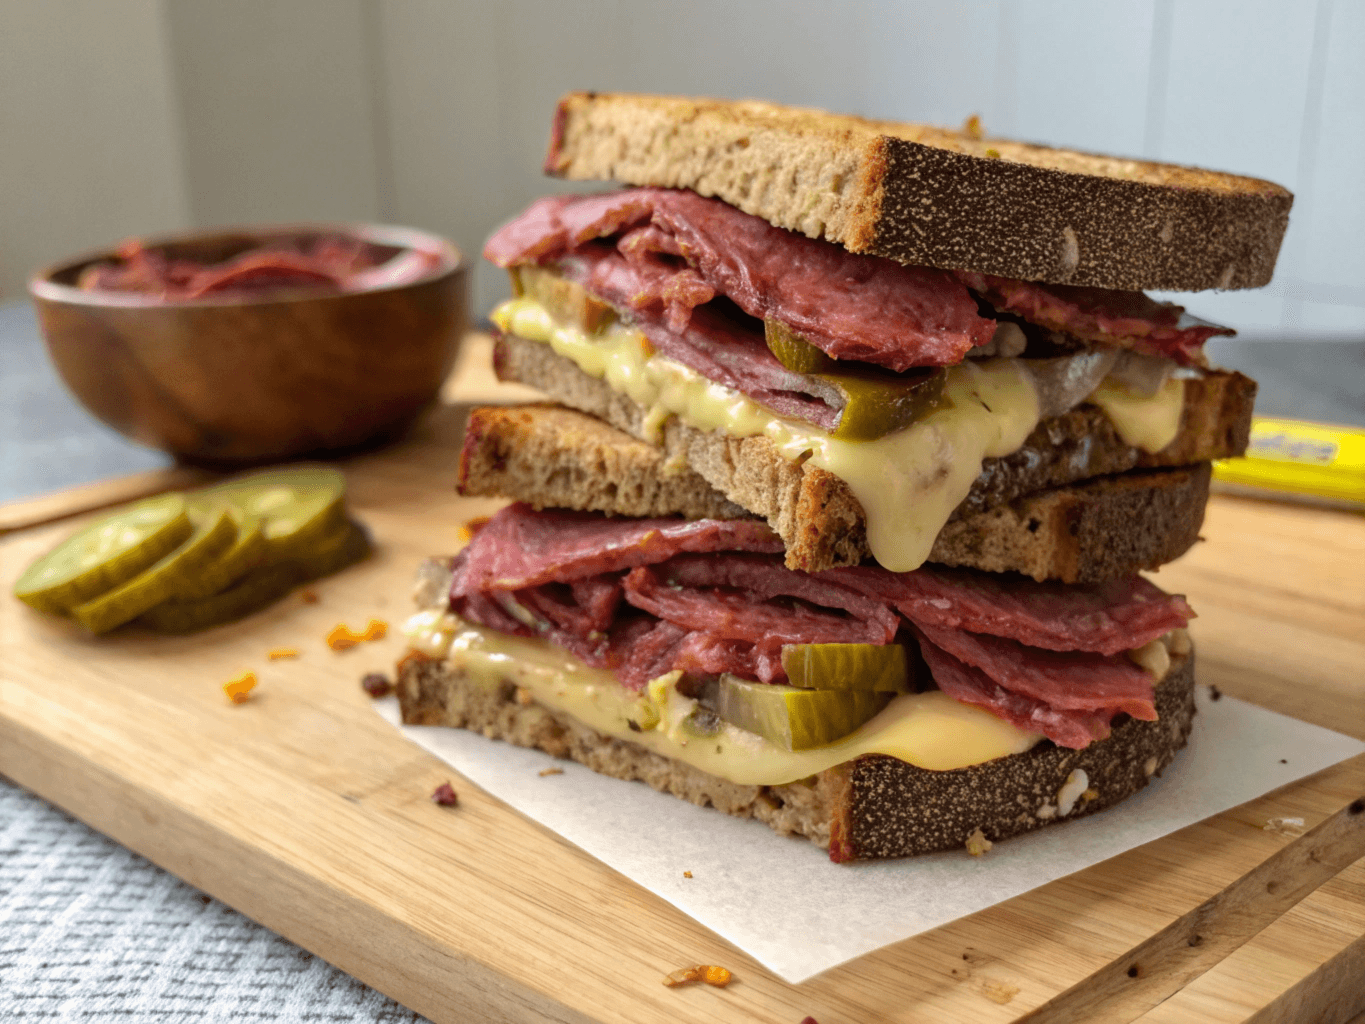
x: 238, y: 380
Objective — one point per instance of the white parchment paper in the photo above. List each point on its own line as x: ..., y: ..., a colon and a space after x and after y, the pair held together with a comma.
x: 781, y: 900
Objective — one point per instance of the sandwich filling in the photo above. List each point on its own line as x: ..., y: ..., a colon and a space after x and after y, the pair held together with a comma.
x: 889, y: 377
x: 696, y: 629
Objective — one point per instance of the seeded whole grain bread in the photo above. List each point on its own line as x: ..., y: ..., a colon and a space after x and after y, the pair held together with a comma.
x: 822, y: 523
x: 874, y: 806
x: 934, y: 196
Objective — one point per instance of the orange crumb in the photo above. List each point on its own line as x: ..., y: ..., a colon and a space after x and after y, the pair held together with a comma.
x: 972, y: 127
x: 239, y: 690
x: 687, y: 874
x: 341, y: 638
x: 376, y: 629
x: 309, y: 596
x: 276, y: 653
x: 709, y: 973
x: 467, y: 530
x: 551, y: 771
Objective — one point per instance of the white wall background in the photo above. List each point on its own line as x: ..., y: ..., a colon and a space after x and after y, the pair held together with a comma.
x: 148, y: 115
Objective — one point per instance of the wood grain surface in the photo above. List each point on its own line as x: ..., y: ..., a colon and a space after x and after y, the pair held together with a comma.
x: 308, y: 813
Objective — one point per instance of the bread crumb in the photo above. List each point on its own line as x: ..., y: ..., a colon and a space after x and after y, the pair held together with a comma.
x: 971, y: 128
x: 1285, y: 826
x: 545, y: 772
x: 1149, y: 767
x: 524, y: 697
x: 309, y: 596
x: 719, y: 977
x: 687, y: 874
x: 238, y: 690
x: 276, y: 653
x: 977, y: 843
x: 1046, y: 813
x: 445, y: 795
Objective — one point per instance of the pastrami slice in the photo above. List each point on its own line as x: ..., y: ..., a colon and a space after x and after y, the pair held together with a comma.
x: 1107, y: 618
x: 1128, y: 319
x: 969, y: 685
x: 865, y: 308
x: 1065, y: 680
x: 520, y: 547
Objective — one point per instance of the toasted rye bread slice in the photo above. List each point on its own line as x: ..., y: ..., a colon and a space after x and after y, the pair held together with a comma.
x: 1105, y: 528
x: 874, y: 806
x: 823, y: 524
x: 555, y: 457
x: 934, y: 196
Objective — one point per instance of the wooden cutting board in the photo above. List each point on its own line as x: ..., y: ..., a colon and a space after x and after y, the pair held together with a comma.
x: 305, y: 811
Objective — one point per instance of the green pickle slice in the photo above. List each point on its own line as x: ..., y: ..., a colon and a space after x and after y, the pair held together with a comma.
x: 246, y: 552
x: 162, y: 579
x: 104, y: 554
x: 260, y: 587
x: 348, y: 545
x: 793, y: 718
x: 298, y: 506
x: 793, y: 351
x: 875, y: 668
x: 878, y: 404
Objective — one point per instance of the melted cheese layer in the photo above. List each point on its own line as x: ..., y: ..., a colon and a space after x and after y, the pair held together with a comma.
x: 908, y: 482
x: 1149, y: 422
x: 929, y: 730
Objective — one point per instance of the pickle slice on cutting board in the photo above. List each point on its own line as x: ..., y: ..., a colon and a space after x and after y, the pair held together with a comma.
x: 162, y: 579
x: 104, y: 554
x: 260, y: 587
x: 875, y: 668
x: 793, y: 718
x: 332, y: 553
x: 246, y: 552
x: 298, y: 506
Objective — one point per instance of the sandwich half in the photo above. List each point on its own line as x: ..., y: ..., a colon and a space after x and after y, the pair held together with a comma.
x: 860, y: 436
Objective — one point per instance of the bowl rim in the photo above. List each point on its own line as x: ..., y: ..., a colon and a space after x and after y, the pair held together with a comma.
x: 452, y: 261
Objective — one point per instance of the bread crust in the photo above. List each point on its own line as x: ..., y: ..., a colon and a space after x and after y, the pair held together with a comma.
x: 933, y: 196
x: 823, y: 524
x: 874, y: 806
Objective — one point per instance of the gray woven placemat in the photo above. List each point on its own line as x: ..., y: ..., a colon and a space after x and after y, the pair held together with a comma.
x: 90, y: 931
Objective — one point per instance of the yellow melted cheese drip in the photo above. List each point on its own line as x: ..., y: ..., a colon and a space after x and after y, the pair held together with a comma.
x: 929, y: 730
x: 908, y: 482
x: 1149, y: 422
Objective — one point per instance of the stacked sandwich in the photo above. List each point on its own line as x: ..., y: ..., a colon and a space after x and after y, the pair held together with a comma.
x: 861, y: 435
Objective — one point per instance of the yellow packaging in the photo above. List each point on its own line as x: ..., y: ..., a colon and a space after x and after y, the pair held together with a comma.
x: 1297, y: 457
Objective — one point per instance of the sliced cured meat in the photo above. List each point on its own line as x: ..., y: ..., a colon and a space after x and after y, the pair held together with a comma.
x: 1065, y: 680
x: 520, y: 547
x: 767, y: 578
x: 1128, y: 319
x: 1073, y: 729
x: 1105, y: 617
x: 706, y: 654
x: 724, y: 349
x: 865, y: 308
x: 742, y: 615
